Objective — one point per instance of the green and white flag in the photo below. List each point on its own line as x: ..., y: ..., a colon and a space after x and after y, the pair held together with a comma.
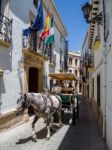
x: 50, y: 38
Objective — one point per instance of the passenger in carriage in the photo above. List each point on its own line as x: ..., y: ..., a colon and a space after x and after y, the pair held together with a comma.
x: 71, y: 86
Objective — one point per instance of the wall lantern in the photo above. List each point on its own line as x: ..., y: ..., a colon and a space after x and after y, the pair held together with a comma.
x: 86, y: 8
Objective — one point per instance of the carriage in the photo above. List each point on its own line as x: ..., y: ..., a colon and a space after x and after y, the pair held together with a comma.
x: 68, y: 93
x: 46, y: 105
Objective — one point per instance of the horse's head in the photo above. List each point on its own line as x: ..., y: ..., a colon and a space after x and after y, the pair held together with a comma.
x: 22, y: 104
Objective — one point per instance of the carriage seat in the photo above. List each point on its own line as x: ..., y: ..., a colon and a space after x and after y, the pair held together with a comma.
x: 67, y: 90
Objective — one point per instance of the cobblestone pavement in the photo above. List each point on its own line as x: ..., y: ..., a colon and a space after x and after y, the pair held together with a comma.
x: 85, y: 135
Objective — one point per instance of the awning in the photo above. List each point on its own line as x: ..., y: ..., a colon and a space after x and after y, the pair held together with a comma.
x: 63, y: 76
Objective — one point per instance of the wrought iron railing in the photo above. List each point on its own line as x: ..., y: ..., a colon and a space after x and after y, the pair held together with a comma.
x: 52, y: 59
x: 88, y: 61
x: 35, y: 43
x: 5, y: 29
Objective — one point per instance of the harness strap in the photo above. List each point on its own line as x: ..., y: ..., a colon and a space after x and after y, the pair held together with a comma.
x: 51, y: 101
x: 45, y: 99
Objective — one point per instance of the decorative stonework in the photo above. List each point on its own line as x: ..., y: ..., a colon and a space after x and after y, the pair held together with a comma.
x: 4, y: 44
x: 35, y: 60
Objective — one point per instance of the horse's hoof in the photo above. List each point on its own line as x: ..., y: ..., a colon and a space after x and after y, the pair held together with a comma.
x: 47, y: 138
x: 34, y: 139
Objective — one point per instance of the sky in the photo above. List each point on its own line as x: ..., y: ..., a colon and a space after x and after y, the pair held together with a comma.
x: 72, y: 16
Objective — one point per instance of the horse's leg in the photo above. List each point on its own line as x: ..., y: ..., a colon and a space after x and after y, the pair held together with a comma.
x: 52, y: 119
x: 48, y: 128
x: 59, y: 114
x: 33, y: 129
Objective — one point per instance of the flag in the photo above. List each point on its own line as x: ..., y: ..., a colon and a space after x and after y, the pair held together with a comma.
x: 27, y: 31
x: 46, y: 30
x: 50, y: 38
x: 38, y: 23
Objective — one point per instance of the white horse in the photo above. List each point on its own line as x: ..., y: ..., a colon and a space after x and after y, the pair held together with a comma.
x: 44, y: 105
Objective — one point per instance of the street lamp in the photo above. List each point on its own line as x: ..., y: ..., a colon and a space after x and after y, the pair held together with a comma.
x: 86, y: 8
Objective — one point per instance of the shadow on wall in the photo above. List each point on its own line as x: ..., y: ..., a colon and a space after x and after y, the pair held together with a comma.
x: 6, y: 58
x: 2, y: 90
x: 21, y: 9
x: 20, y: 73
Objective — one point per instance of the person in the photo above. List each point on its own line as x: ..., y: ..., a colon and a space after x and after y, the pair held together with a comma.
x: 71, y: 87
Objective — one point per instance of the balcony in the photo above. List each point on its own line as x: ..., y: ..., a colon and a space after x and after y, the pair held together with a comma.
x: 52, y: 60
x: 90, y: 63
x: 33, y: 44
x: 5, y: 31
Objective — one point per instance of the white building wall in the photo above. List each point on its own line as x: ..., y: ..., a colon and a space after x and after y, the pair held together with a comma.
x: 11, y: 83
x: 104, y: 69
x: 12, y: 78
x: 108, y: 101
x: 73, y: 67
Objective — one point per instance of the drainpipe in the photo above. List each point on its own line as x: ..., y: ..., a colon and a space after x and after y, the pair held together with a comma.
x: 105, y: 74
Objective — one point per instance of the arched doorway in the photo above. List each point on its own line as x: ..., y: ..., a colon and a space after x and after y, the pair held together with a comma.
x: 33, y: 80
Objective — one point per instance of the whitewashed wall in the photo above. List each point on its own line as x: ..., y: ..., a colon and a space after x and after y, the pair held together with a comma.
x: 11, y: 83
x: 108, y: 101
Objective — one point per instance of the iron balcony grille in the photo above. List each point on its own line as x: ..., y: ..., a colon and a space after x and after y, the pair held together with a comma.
x: 5, y: 29
x: 35, y: 43
x: 52, y: 59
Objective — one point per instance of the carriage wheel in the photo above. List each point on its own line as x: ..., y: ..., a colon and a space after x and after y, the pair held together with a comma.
x: 73, y: 116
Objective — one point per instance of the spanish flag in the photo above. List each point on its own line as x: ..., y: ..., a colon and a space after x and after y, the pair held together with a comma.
x: 50, y: 38
x: 46, y: 30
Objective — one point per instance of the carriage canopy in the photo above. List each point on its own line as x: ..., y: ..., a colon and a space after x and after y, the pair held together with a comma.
x: 63, y: 76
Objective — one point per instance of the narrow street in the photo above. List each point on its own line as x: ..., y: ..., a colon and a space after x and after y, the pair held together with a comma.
x: 85, y: 135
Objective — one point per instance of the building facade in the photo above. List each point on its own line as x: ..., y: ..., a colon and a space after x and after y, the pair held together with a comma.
x: 25, y: 62
x: 74, y: 66
x: 96, y: 62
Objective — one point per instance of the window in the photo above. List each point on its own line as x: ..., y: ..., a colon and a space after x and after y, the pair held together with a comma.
x: 80, y: 88
x: 76, y: 73
x: 88, y: 90
x: 98, y: 90
x: 35, y: 2
x: 50, y: 53
x: 76, y: 62
x: 75, y: 85
x: 70, y: 61
x: 70, y: 71
x: 93, y: 88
